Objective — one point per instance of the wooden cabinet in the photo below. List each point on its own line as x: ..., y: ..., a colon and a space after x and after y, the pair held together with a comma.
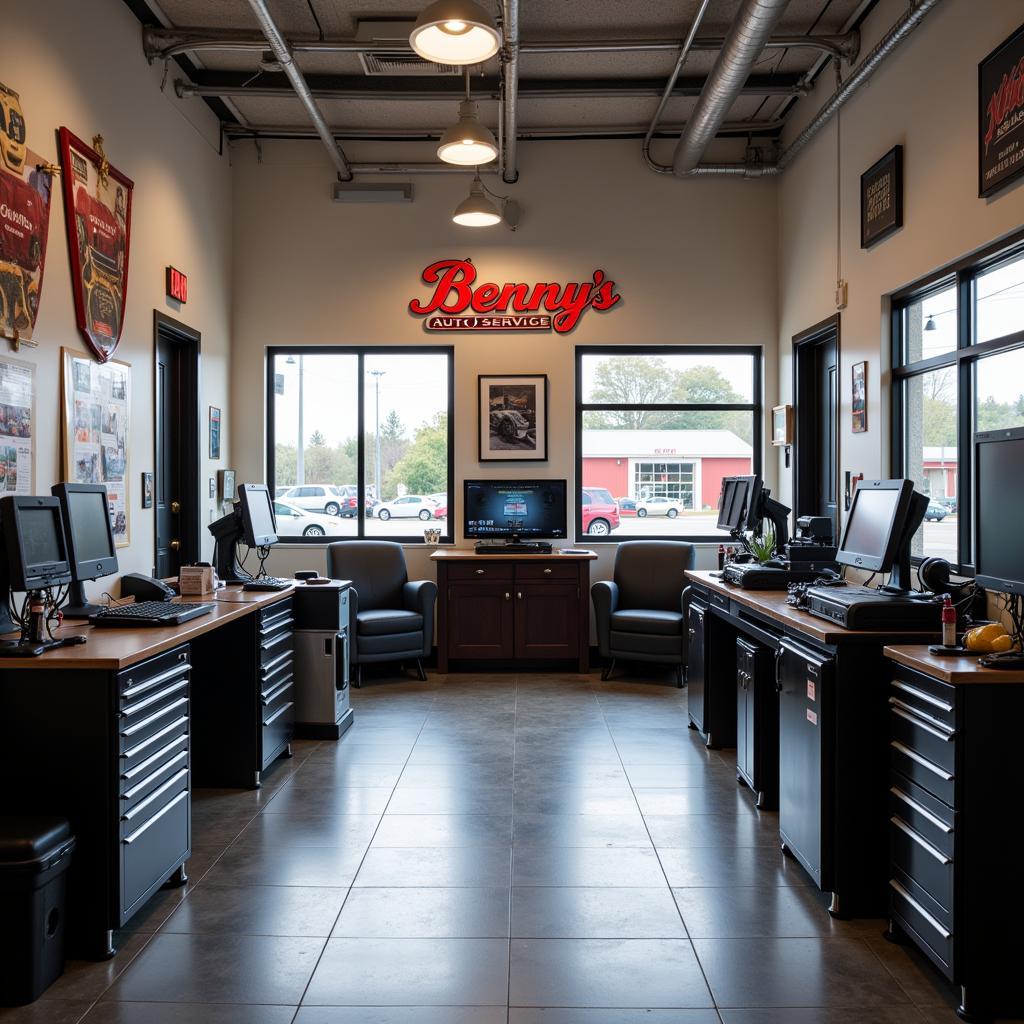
x: 530, y: 608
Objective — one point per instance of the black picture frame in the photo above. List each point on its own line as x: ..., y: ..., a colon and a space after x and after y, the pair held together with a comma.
x: 881, y: 198
x: 528, y: 443
x: 147, y: 490
x: 215, y: 424
x: 993, y: 71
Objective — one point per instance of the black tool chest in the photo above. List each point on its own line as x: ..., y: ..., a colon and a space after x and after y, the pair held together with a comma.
x: 277, y: 680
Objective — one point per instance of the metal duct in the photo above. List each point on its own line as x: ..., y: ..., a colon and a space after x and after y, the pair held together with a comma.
x: 743, y: 45
x: 510, y: 87
x: 298, y: 82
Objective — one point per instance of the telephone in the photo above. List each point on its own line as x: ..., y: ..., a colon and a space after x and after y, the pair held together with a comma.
x: 145, y: 588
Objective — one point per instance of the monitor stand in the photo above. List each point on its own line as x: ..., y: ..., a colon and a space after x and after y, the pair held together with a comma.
x: 78, y: 606
x: 7, y: 624
x: 227, y: 532
x: 899, y: 584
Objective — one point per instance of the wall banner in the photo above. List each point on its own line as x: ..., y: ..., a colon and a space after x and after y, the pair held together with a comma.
x: 98, y: 211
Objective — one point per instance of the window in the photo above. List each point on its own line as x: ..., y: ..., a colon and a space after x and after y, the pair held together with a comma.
x: 390, y: 479
x: 958, y: 357
x: 656, y: 431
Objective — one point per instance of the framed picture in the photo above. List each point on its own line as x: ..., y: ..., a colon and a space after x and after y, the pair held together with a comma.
x: 214, y: 432
x: 782, y: 425
x: 513, y: 418
x: 859, y: 398
x: 881, y: 198
x: 147, y: 490
x: 1000, y: 126
x: 226, y: 480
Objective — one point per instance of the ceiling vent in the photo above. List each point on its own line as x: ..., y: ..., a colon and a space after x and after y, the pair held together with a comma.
x: 393, y: 61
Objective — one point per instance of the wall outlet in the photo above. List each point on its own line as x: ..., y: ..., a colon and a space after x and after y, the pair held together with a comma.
x: 842, y: 294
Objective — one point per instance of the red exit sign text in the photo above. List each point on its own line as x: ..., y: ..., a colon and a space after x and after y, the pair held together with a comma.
x: 177, y: 285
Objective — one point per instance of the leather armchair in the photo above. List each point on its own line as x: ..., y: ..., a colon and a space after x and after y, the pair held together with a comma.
x: 641, y: 613
x: 390, y: 618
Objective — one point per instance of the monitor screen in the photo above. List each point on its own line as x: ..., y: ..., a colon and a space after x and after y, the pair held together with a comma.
x: 90, y: 525
x: 259, y: 527
x: 727, y: 510
x: 999, y: 492
x: 737, y: 505
x: 42, y: 538
x: 528, y: 508
x: 874, y: 527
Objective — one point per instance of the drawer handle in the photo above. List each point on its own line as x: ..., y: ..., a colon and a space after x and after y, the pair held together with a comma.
x: 178, y: 705
x: 143, y: 768
x: 269, y: 698
x: 173, y: 781
x: 922, y: 761
x: 279, y: 665
x: 128, y: 794
x: 180, y: 723
x: 271, y: 665
x: 155, y: 681
x: 128, y: 840
x: 479, y: 572
x: 916, y: 720
x: 926, y: 846
x: 895, y: 702
x: 278, y: 713
x: 547, y: 572
x: 923, y: 811
x: 917, y: 906
x: 273, y: 614
x: 273, y: 627
x: 921, y: 695
x: 134, y: 709
x: 267, y: 644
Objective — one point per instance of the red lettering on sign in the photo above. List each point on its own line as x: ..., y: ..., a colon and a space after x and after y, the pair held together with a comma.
x: 1005, y: 100
x: 177, y: 285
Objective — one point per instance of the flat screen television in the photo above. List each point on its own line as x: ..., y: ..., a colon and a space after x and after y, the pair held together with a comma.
x: 530, y: 509
x: 998, y: 493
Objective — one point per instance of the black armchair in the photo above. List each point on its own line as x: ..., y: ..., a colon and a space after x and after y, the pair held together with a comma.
x: 391, y: 619
x: 641, y: 613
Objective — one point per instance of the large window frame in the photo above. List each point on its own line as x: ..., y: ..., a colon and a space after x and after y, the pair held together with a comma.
x: 962, y: 276
x: 362, y: 352
x: 756, y: 408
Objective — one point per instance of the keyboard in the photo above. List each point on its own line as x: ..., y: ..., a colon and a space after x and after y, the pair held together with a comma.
x: 268, y: 583
x: 150, y: 613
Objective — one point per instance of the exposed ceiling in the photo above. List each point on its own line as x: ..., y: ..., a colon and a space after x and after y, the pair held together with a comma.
x: 603, y: 93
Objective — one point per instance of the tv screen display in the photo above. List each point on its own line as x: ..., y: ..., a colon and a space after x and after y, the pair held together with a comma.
x: 525, y: 508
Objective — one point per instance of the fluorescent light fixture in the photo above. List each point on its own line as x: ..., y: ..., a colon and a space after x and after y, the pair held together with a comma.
x: 455, y: 32
x: 476, y: 210
x: 468, y: 143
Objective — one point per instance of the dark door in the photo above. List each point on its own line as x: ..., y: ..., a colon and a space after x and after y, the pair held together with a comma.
x: 547, y: 620
x: 744, y: 713
x: 695, y: 665
x: 176, y: 436
x: 481, y: 620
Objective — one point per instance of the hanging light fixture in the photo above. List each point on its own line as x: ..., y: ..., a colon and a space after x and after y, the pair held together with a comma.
x: 468, y: 142
x: 455, y: 32
x: 476, y: 210
x: 930, y: 324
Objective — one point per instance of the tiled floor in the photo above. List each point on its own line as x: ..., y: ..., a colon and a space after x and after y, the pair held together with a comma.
x: 497, y: 850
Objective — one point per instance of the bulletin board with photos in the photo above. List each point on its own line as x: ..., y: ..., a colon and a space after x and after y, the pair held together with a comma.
x: 95, y: 427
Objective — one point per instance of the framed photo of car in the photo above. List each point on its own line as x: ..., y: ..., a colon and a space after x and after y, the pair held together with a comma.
x: 513, y: 418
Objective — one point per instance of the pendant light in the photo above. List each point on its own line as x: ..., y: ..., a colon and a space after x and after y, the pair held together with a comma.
x: 930, y: 324
x: 467, y: 143
x: 455, y: 32
x: 476, y: 210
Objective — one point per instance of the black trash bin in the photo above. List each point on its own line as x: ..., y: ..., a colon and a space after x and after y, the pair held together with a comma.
x: 35, y: 854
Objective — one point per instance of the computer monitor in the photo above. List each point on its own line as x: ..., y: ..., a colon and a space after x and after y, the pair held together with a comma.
x: 85, y: 514
x: 998, y: 501
x: 37, y: 554
x: 259, y: 527
x: 731, y: 501
x: 531, y: 509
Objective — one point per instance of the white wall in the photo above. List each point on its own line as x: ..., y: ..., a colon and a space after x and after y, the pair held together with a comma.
x: 693, y: 261
x: 924, y: 98
x: 81, y: 65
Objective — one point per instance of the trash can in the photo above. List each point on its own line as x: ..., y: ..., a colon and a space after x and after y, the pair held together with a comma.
x: 35, y: 854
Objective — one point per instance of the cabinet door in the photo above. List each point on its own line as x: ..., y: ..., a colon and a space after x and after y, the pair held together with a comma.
x: 547, y: 620
x: 744, y: 738
x: 480, y: 620
x: 695, y: 665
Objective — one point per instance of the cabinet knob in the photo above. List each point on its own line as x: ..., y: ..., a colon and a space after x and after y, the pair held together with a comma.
x: 479, y: 572
x: 508, y: 596
x: 519, y: 594
x: 547, y: 572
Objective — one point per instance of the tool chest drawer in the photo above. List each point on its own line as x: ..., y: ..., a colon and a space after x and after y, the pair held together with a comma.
x: 933, y: 937
x: 924, y: 695
x: 929, y: 817
x: 923, y: 866
x: 923, y: 735
x: 275, y: 634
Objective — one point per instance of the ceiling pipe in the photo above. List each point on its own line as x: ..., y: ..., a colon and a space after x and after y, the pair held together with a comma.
x: 298, y: 82
x: 750, y: 30
x: 164, y: 43
x: 510, y: 88
x: 684, y: 52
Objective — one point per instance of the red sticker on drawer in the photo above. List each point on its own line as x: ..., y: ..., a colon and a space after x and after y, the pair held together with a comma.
x: 812, y: 717
x: 811, y: 690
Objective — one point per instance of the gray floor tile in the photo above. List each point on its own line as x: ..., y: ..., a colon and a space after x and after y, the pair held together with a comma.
x: 407, y: 913
x: 411, y: 972
x: 479, y: 800
x: 578, y: 1015
x: 301, y: 828
x: 422, y: 830
x: 746, y: 911
x: 828, y: 1015
x: 263, y: 864
x: 486, y: 867
x: 657, y: 776
x: 552, y: 799
x: 580, y: 830
x: 676, y: 831
x: 329, y: 800
x: 723, y: 866
x: 401, y: 1015
x: 586, y: 867
x: 551, y: 912
x: 648, y: 973
x: 320, y: 774
x: 710, y: 799
x: 187, y: 1013
x: 48, y: 1011
x: 443, y: 776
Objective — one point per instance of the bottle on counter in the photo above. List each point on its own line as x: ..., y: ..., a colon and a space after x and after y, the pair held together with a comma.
x: 721, y: 556
x: 948, y: 622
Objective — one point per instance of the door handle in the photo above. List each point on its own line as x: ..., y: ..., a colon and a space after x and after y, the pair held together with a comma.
x: 175, y: 545
x: 175, y: 507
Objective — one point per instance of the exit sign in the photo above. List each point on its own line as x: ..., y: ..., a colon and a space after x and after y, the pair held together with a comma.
x: 177, y: 285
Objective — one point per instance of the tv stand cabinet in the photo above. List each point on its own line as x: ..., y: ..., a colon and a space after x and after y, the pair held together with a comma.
x: 512, y: 608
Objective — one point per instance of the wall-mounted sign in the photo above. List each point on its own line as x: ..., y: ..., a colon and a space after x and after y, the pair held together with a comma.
x: 177, y: 285
x: 1001, y: 115
x: 881, y: 198
x: 459, y: 304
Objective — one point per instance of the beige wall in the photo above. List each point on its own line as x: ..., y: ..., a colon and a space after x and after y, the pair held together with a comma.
x: 924, y: 98
x: 81, y: 65
x: 694, y: 263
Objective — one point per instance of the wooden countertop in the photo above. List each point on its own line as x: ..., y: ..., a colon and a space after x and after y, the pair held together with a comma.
x: 463, y: 554
x: 772, y: 604
x: 114, y: 648
x: 959, y: 671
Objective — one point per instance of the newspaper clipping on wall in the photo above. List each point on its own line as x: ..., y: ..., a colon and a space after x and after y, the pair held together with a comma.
x: 97, y: 404
x: 17, y: 426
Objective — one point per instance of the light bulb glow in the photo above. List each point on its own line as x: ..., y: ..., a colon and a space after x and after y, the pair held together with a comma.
x: 455, y: 26
x: 476, y: 219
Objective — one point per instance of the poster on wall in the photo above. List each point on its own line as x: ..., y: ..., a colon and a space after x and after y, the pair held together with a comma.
x: 859, y: 398
x: 95, y: 417
x: 881, y: 198
x: 25, y: 186
x: 1001, y: 115
x: 513, y: 418
x: 17, y: 426
x: 98, y: 211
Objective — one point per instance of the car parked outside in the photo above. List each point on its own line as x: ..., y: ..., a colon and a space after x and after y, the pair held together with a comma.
x: 936, y: 512
x: 316, y: 498
x: 658, y: 507
x: 293, y: 521
x: 409, y: 506
x: 948, y: 503
x: 627, y: 506
x: 600, y: 513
